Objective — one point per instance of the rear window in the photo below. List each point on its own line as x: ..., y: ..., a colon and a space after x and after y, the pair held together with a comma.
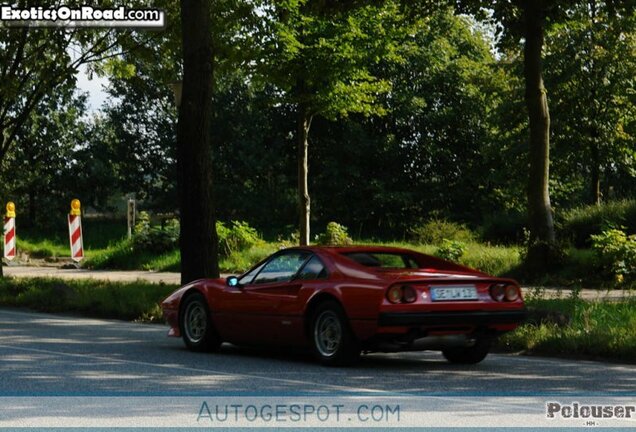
x: 382, y: 259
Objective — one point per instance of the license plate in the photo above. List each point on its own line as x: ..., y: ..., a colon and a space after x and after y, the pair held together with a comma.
x: 464, y: 292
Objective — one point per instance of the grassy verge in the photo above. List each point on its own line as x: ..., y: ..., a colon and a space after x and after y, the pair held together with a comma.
x: 572, y: 327
x: 123, y: 256
x: 42, y: 248
x: 128, y: 301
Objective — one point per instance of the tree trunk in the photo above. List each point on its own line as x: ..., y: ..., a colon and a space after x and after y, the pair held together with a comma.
x: 304, y: 204
x: 539, y: 210
x: 198, y: 239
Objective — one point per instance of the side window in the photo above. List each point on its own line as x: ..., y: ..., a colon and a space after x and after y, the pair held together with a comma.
x: 314, y: 269
x: 247, y: 278
x: 282, y: 267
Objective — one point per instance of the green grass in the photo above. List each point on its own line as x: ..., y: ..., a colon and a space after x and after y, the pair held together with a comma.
x: 580, y: 223
x: 129, y: 301
x: 42, y: 248
x: 123, y: 256
x: 239, y: 262
x: 495, y: 260
x: 604, y: 329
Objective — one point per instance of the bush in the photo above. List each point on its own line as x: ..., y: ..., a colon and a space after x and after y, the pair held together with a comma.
x: 451, y: 250
x: 334, y: 235
x: 617, y: 252
x: 579, y: 224
x: 504, y: 228
x: 155, y: 238
x: 435, y: 231
x: 237, y: 237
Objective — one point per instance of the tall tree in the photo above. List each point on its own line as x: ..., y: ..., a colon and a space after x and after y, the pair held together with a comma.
x: 528, y: 20
x: 320, y: 56
x: 591, y: 64
x: 198, y: 237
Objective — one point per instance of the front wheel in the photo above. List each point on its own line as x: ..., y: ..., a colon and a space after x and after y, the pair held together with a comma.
x: 469, y: 354
x: 333, y: 341
x: 196, y: 325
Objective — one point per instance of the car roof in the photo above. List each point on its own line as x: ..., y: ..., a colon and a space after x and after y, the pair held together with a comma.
x: 357, y: 248
x: 338, y: 254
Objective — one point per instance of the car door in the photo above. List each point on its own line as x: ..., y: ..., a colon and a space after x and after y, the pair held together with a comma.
x: 251, y: 312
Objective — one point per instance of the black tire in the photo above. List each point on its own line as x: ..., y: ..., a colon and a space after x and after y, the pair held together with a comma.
x: 470, y: 354
x: 196, y: 326
x: 333, y: 341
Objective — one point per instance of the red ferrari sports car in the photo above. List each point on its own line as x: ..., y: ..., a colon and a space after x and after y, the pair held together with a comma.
x: 342, y: 301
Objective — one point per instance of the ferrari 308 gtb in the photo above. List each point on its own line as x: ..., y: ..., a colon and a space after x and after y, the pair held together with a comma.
x: 341, y: 301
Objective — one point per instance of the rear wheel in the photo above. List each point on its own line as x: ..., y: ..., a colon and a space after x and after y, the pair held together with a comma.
x: 469, y: 354
x: 196, y: 324
x: 333, y: 341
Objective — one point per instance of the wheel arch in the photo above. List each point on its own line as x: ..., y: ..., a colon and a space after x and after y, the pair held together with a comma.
x: 313, y: 304
x: 194, y: 289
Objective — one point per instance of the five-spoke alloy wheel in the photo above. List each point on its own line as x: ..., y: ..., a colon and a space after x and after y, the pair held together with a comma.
x: 333, y: 341
x: 196, y: 325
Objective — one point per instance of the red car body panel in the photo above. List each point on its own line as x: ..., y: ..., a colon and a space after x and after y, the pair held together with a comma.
x: 278, y: 313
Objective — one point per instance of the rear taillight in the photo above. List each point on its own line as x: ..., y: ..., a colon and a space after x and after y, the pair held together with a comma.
x: 504, y: 292
x: 498, y: 292
x: 409, y: 295
x: 394, y: 294
x: 512, y: 293
x: 401, y: 294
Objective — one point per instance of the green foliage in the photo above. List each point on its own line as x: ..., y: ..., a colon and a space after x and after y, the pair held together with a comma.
x: 494, y: 260
x: 93, y: 298
x: 334, y: 235
x: 321, y: 56
x: 155, y: 238
x: 579, y: 224
x: 504, y: 228
x: 597, y: 328
x: 451, y: 250
x: 435, y: 231
x: 237, y: 237
x: 42, y: 248
x: 120, y: 255
x: 241, y: 261
x: 592, y: 113
x: 617, y: 252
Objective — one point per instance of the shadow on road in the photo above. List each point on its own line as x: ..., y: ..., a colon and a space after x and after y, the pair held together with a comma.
x: 42, y: 353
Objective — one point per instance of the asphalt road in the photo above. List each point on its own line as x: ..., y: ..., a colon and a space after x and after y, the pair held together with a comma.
x: 52, y: 354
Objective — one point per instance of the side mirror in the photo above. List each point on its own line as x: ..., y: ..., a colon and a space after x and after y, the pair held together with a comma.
x: 232, y: 281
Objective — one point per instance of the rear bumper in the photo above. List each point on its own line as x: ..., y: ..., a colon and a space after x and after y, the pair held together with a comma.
x: 470, y: 318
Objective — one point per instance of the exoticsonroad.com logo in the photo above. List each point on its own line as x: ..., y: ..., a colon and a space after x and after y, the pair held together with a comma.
x: 575, y: 410
x: 80, y: 16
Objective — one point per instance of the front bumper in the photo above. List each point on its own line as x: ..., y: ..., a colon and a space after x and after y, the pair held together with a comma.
x: 448, y: 319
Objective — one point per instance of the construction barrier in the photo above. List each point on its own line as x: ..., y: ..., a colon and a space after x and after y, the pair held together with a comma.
x: 9, y: 232
x: 75, y: 231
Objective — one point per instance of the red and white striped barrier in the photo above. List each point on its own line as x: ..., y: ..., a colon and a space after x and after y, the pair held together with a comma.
x: 9, y: 232
x: 75, y: 231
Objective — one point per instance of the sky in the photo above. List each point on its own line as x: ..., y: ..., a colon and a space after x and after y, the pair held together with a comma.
x: 94, y: 88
